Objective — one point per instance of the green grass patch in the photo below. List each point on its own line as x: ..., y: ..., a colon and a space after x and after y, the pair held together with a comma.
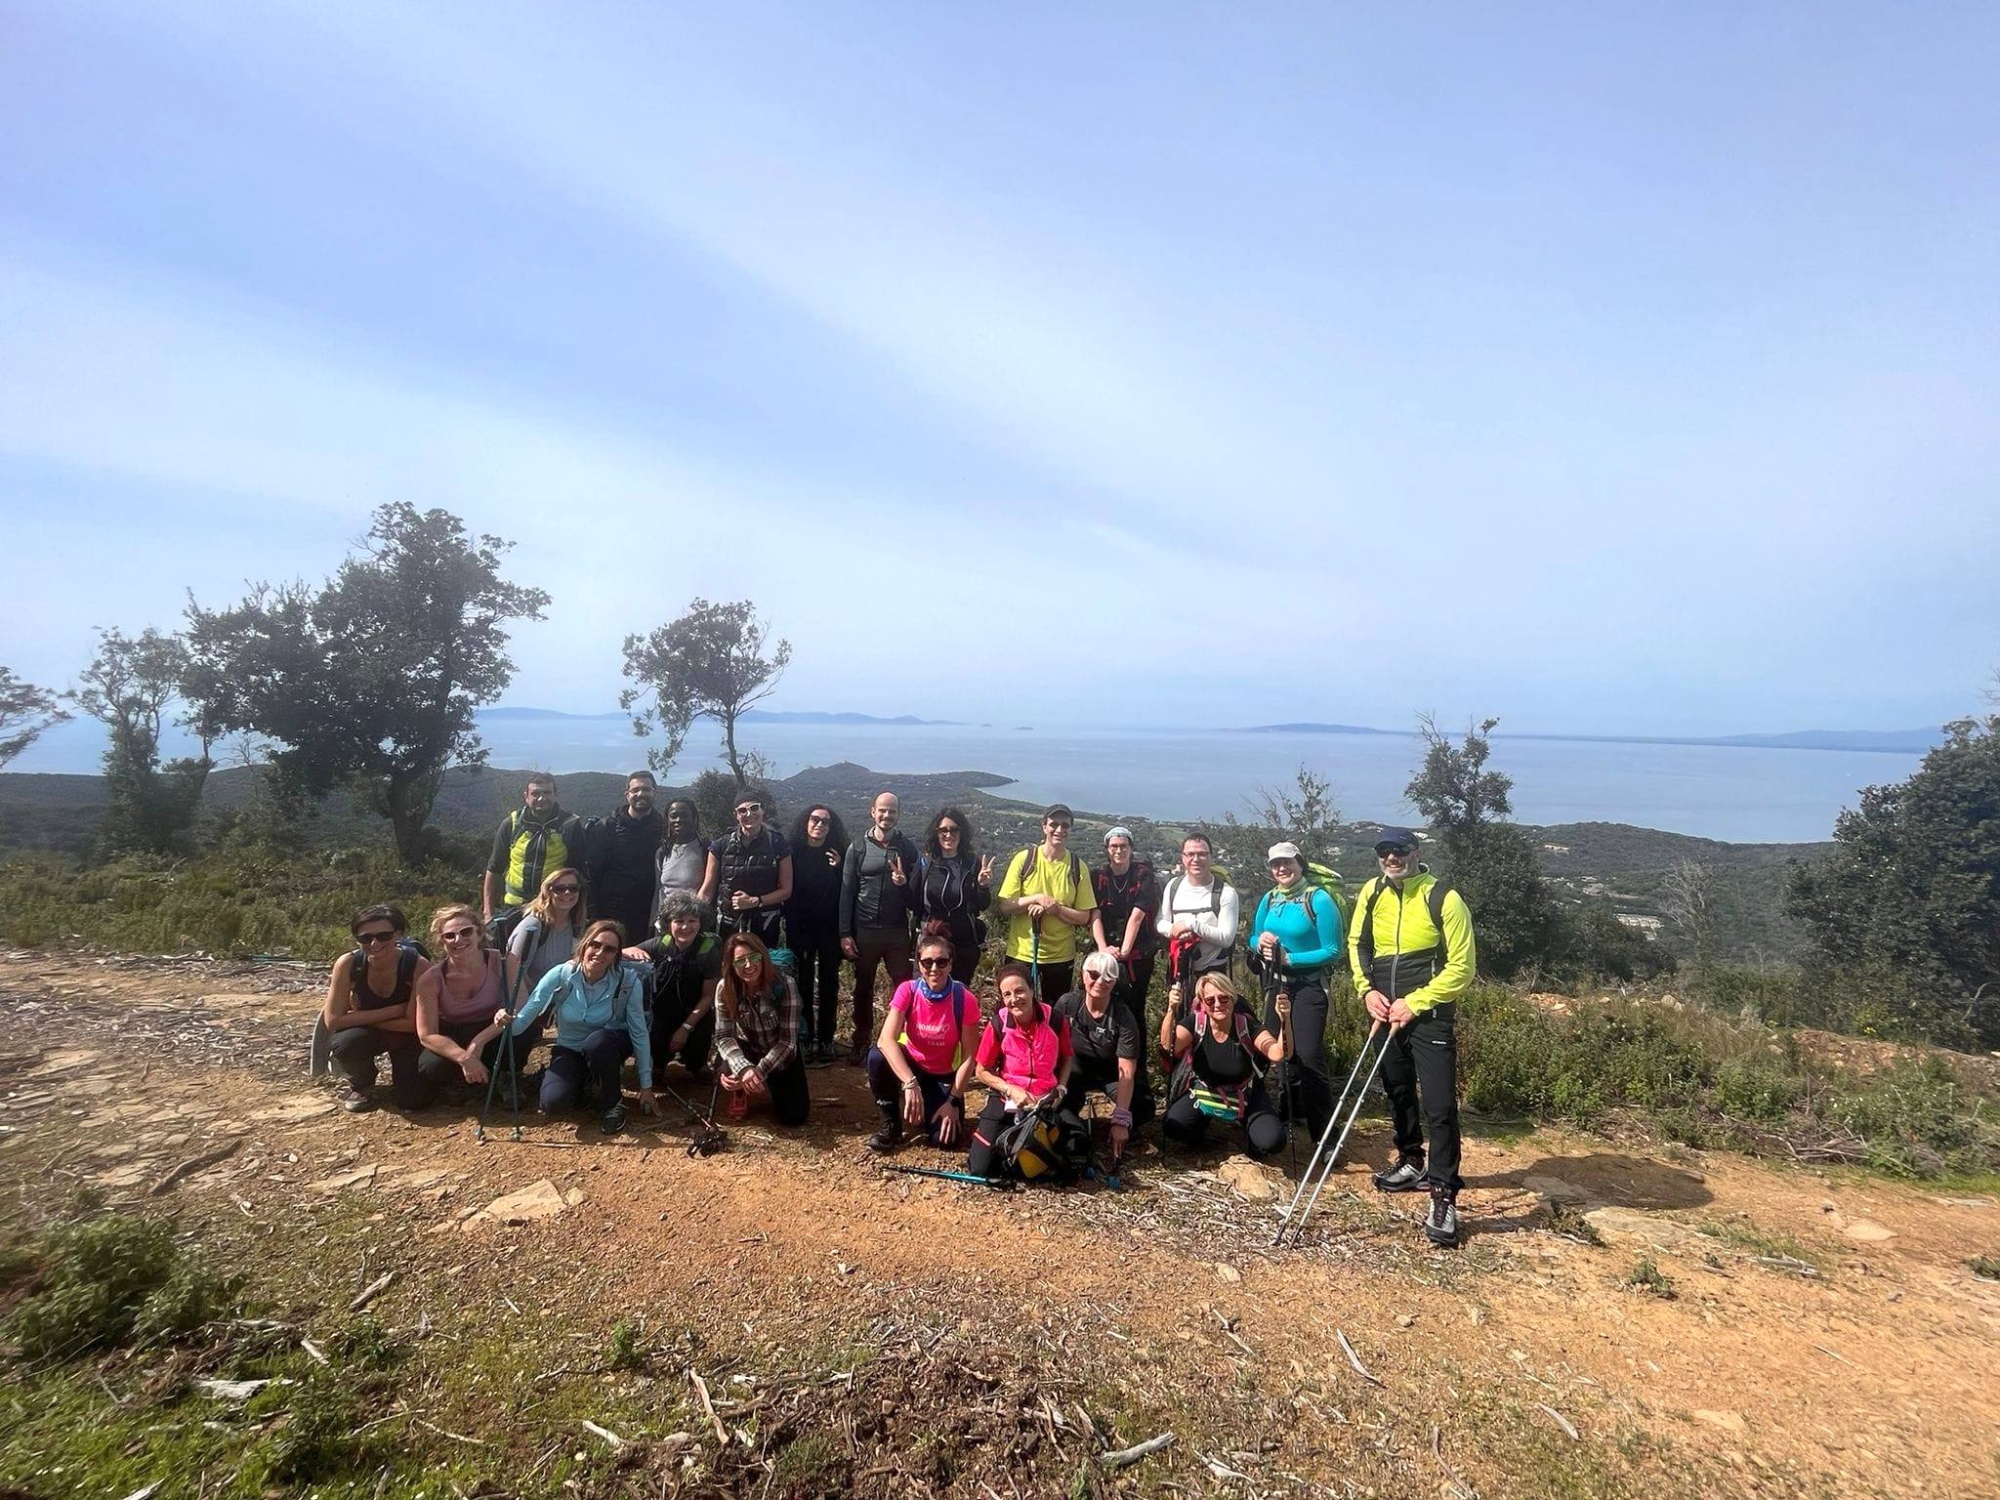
x: 1985, y: 1267
x: 1646, y: 1276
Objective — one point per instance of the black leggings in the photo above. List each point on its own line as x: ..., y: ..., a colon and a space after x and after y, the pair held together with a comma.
x: 819, y: 988
x: 1263, y: 1131
x: 1306, y: 1093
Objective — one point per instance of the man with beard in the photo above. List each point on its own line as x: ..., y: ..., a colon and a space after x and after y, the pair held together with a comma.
x: 621, y: 870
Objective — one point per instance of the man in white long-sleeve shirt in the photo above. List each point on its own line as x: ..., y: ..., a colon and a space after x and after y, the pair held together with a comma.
x: 1196, y: 904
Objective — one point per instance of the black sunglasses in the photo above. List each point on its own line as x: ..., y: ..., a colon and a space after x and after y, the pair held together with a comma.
x: 370, y: 939
x: 564, y: 890
x: 1383, y: 851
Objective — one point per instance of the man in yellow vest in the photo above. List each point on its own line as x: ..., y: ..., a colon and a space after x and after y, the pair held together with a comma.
x: 537, y: 837
x: 1412, y: 953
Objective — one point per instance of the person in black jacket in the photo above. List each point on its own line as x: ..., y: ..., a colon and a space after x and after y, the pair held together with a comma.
x: 686, y: 963
x: 749, y: 874
x: 1128, y: 907
x: 954, y: 887
x: 624, y: 848
x: 878, y: 897
x: 812, y: 924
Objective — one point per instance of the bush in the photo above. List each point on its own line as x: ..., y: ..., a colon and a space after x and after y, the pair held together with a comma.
x: 1758, y: 1086
x: 109, y: 1281
x: 1917, y: 1121
x: 1517, y: 1058
x: 1863, y: 998
x: 237, y: 902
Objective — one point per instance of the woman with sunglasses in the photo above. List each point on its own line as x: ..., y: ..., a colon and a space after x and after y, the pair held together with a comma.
x: 367, y: 1010
x: 455, y: 999
x: 547, y: 935
x: 1220, y: 1056
x: 954, y: 885
x: 757, y: 1033
x: 923, y: 1059
x: 600, y: 1010
x: 812, y: 924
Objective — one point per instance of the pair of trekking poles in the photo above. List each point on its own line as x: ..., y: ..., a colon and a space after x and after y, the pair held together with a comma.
x: 1292, y: 1226
x: 708, y: 1136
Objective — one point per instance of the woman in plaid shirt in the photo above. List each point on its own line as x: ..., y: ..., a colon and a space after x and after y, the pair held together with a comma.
x: 757, y: 1032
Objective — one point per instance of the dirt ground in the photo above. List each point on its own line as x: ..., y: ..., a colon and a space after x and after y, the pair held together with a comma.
x: 1827, y: 1336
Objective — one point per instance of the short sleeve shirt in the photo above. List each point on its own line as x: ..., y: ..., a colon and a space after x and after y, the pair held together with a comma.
x: 931, y: 1034
x: 1068, y: 881
x: 1100, y: 1042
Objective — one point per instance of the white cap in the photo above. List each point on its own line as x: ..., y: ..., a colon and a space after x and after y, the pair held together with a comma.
x: 1284, y: 851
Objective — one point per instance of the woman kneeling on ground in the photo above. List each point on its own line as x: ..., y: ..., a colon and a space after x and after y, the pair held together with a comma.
x: 1023, y: 1059
x: 921, y: 1063
x: 368, y: 1010
x: 600, y: 1010
x: 1219, y: 1056
x: 455, y: 1000
x: 757, y: 1033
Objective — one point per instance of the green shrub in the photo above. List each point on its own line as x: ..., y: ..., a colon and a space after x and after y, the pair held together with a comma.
x: 1916, y: 1120
x: 1758, y: 1086
x: 1647, y: 1277
x: 1516, y: 1057
x: 109, y: 1280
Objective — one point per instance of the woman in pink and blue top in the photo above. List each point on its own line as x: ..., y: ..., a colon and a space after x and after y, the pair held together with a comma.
x: 1023, y: 1058
x: 921, y: 1063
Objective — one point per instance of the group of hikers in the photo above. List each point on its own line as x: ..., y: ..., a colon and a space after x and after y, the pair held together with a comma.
x: 636, y: 938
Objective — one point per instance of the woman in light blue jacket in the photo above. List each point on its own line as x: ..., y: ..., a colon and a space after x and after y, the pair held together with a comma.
x: 600, y: 1010
x: 1295, y: 945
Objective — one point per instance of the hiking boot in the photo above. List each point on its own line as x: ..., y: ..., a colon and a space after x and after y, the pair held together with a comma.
x: 1404, y: 1177
x: 821, y: 1056
x: 613, y: 1119
x: 888, y: 1138
x: 360, y: 1102
x: 1441, y: 1223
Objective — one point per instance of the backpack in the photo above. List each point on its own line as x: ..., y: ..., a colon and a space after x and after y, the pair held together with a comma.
x: 1034, y: 852
x: 1215, y: 885
x: 1039, y: 1146
x: 1219, y: 1103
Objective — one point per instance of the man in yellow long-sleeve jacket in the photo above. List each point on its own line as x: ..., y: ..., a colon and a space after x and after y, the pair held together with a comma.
x: 1412, y: 953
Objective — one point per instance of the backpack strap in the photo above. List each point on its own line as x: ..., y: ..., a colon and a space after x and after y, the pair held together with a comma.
x: 1364, y: 926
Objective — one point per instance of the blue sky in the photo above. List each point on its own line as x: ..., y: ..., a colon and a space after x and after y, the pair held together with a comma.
x: 1611, y: 369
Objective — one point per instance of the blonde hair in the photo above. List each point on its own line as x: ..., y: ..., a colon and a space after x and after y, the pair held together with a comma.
x: 1216, y: 981
x: 543, y: 910
x: 443, y: 917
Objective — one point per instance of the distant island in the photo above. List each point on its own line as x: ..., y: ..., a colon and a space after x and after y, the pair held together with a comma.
x: 1881, y: 741
x: 750, y: 716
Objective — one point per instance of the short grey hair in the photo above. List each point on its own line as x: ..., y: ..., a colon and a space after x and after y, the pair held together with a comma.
x: 1104, y: 965
x: 679, y: 904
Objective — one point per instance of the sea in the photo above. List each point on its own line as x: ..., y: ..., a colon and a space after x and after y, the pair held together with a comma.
x: 1736, y: 794
x: 1739, y: 794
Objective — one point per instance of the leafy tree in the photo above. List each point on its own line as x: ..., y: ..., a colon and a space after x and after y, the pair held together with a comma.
x: 26, y: 711
x: 1490, y: 862
x: 371, y: 682
x: 709, y: 663
x: 1303, y: 813
x: 1912, y: 884
x: 131, y: 685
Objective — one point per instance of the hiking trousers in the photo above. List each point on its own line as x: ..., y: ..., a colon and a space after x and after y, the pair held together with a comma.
x: 982, y: 1157
x: 1263, y: 1131
x: 571, y: 1074
x: 818, y: 965
x: 875, y: 947
x: 1308, y: 1092
x: 888, y: 1091
x: 355, y: 1048
x: 440, y: 1073
x: 1420, y: 1076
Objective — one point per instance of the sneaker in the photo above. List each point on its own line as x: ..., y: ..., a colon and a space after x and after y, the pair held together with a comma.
x: 1404, y: 1177
x: 1441, y: 1223
x: 888, y: 1138
x: 613, y: 1119
x: 360, y: 1102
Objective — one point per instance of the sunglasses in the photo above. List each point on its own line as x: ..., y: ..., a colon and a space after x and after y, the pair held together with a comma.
x: 934, y: 963
x: 1385, y: 851
x: 815, y: 818
x: 600, y: 946
x: 745, y: 807
x: 1092, y: 974
x: 747, y: 961
x: 564, y: 890
x: 950, y: 828
x: 372, y: 939
x: 459, y: 934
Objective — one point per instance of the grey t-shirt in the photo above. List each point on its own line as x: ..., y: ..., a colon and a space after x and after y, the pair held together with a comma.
x: 681, y: 867
x: 539, y: 949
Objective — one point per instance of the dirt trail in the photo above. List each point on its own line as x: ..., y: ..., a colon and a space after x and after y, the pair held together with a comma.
x: 1867, y: 1369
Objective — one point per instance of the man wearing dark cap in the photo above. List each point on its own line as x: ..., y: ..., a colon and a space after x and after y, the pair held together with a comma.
x: 1412, y: 954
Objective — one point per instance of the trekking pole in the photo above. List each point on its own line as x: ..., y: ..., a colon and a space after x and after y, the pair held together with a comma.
x: 493, y: 1074
x: 945, y: 1174
x: 709, y: 1137
x: 1317, y: 1174
x: 1035, y: 956
x: 1292, y: 1090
